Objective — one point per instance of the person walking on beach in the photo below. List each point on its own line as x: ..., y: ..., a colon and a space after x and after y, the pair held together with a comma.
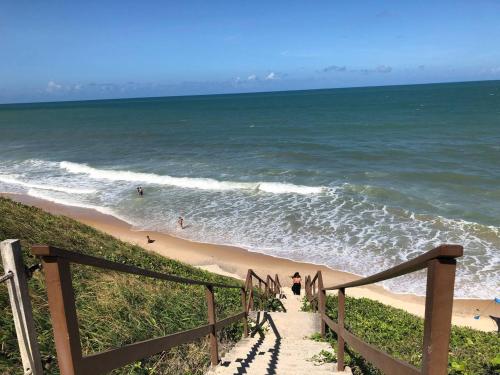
x: 180, y: 222
x: 296, y: 279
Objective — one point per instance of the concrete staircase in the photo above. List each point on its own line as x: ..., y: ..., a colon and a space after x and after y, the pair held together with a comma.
x: 284, y: 348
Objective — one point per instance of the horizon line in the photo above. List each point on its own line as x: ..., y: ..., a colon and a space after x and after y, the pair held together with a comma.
x: 242, y: 93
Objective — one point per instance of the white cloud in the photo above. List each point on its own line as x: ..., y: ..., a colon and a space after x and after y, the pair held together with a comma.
x: 252, y: 77
x: 378, y: 69
x: 334, y: 68
x: 271, y: 76
x: 384, y: 69
x: 495, y: 70
x: 53, y: 86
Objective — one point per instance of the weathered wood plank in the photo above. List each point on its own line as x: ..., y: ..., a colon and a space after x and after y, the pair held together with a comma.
x: 20, y: 302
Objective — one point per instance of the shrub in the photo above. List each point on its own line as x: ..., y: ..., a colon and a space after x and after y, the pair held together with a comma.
x: 400, y: 334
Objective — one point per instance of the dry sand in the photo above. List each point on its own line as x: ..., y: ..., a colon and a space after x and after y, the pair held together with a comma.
x: 234, y: 261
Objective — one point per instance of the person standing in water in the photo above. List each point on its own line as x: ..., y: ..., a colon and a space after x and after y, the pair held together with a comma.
x: 296, y: 279
x: 180, y: 222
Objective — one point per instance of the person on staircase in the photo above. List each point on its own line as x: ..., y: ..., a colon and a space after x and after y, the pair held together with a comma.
x: 296, y: 279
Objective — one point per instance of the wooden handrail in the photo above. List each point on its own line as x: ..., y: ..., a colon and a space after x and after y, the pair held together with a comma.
x: 441, y: 264
x: 277, y: 281
x: 272, y: 286
x: 373, y: 355
x: 104, y: 362
x: 314, y: 278
x: 56, y: 267
x: 258, y: 277
x: 416, y: 264
x: 78, y: 258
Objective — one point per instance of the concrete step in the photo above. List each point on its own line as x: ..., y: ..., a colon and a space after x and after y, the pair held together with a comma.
x: 285, y: 348
x: 282, y: 348
x: 278, y: 369
x: 270, y: 367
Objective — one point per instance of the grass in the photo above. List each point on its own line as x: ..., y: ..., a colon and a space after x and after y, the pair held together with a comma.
x: 400, y: 334
x: 113, y: 308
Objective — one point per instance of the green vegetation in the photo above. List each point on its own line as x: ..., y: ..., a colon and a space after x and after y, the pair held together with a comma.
x: 113, y: 308
x: 400, y: 334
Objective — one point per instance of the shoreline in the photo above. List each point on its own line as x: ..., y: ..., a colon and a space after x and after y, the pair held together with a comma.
x: 234, y: 261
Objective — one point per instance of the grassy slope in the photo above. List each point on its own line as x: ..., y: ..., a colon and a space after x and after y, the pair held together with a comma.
x: 113, y: 308
x: 400, y: 334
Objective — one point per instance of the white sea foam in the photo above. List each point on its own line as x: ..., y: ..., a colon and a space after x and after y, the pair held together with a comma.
x: 346, y: 227
x: 342, y: 229
x: 11, y: 180
x: 281, y: 188
x: 188, y: 182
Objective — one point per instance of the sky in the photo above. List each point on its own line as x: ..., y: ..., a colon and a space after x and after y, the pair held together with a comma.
x: 73, y: 50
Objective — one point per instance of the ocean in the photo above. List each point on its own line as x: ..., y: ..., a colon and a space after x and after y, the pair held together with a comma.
x: 358, y: 179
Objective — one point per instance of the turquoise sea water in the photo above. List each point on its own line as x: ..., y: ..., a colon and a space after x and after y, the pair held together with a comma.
x: 358, y: 179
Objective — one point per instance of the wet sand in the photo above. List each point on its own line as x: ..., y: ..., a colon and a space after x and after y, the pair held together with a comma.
x: 234, y: 261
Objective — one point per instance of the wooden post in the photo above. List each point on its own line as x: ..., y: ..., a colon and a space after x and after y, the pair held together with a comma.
x: 21, y: 306
x: 244, y: 306
x: 306, y: 288
x: 438, y: 310
x: 249, y: 288
x: 313, y: 293
x: 214, y: 351
x: 309, y: 294
x: 340, y: 338
x: 63, y: 313
x: 321, y: 304
x: 247, y: 279
x: 272, y: 286
x: 250, y: 298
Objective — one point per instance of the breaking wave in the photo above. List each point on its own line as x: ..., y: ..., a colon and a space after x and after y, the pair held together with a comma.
x: 188, y: 182
x: 11, y: 180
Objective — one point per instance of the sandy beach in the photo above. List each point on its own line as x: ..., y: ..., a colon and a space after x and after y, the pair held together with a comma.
x: 234, y: 261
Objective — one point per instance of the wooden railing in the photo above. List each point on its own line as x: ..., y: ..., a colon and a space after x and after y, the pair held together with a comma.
x: 440, y: 263
x: 56, y: 267
x: 270, y: 286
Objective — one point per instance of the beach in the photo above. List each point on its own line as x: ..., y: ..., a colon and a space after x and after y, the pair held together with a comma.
x: 234, y: 261
x: 357, y: 180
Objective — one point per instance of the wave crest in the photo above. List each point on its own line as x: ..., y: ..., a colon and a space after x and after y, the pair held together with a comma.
x: 188, y: 182
x: 11, y: 180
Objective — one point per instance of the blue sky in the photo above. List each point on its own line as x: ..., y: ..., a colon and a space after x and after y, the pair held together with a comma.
x: 69, y: 50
